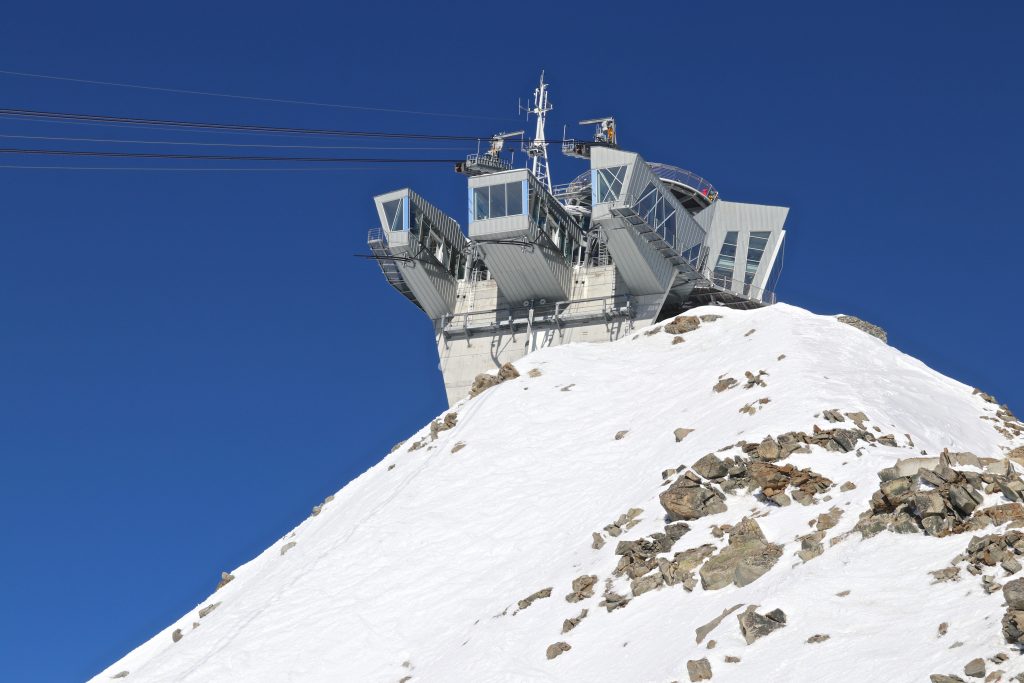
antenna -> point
(538, 147)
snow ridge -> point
(466, 553)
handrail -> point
(488, 160)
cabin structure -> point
(625, 244)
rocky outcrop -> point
(747, 557)
(225, 579)
(776, 479)
(573, 622)
(485, 381)
(582, 588)
(941, 500)
(533, 597)
(864, 326)
(682, 324)
(688, 498)
(209, 608)
(707, 628)
(754, 625)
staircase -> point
(389, 263)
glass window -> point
(726, 261)
(758, 241)
(480, 204)
(608, 184)
(393, 213)
(514, 194)
(498, 201)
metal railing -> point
(376, 235)
(513, 319)
(691, 180)
(488, 161)
(728, 284)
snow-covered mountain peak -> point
(591, 516)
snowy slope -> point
(415, 568)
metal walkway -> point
(389, 263)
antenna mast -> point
(538, 148)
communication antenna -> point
(538, 147)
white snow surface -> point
(414, 569)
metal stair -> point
(389, 263)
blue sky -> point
(190, 360)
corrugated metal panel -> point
(433, 287)
(524, 275)
(642, 268)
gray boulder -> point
(699, 669)
(688, 500)
(1013, 591)
(555, 649)
(747, 557)
(711, 467)
(754, 625)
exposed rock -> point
(570, 624)
(687, 500)
(1013, 592)
(534, 372)
(598, 541)
(946, 574)
(647, 583)
(485, 381)
(975, 668)
(755, 380)
(555, 649)
(446, 423)
(730, 659)
(287, 546)
(864, 326)
(682, 324)
(775, 479)
(818, 638)
(749, 332)
(833, 416)
(458, 447)
(723, 384)
(530, 599)
(710, 318)
(209, 608)
(703, 631)
(939, 678)
(699, 669)
(613, 601)
(176, 636)
(828, 520)
(754, 625)
(677, 340)
(621, 434)
(225, 579)
(681, 433)
(710, 467)
(679, 569)
(747, 557)
(121, 674)
(582, 588)
(1013, 626)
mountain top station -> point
(623, 245)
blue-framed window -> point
(607, 183)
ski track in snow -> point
(423, 564)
